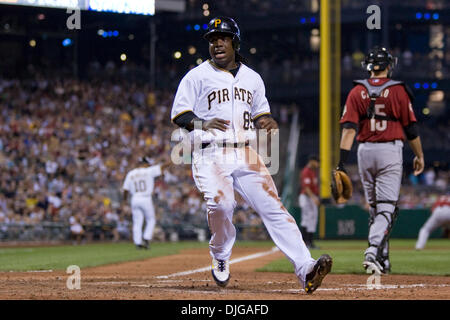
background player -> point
(223, 95)
(139, 183)
(440, 216)
(309, 200)
(382, 117)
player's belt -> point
(393, 142)
(227, 144)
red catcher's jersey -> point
(308, 178)
(394, 102)
(441, 201)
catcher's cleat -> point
(386, 267)
(372, 265)
(321, 268)
(220, 270)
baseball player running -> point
(309, 200)
(440, 216)
(139, 184)
(380, 108)
(226, 98)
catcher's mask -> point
(227, 26)
(378, 59)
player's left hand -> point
(266, 123)
(418, 165)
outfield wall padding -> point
(352, 222)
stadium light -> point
(197, 27)
(66, 42)
(436, 16)
(434, 85)
(32, 43)
(192, 50)
(426, 111)
(302, 20)
(417, 85)
(123, 57)
(419, 15)
(426, 16)
(177, 55)
(425, 85)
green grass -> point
(90, 255)
(348, 256)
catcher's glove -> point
(341, 186)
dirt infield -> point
(156, 279)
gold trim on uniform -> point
(180, 114)
(261, 114)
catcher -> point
(380, 108)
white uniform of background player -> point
(236, 97)
(440, 217)
(139, 183)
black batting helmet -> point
(224, 25)
(378, 59)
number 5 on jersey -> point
(378, 125)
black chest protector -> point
(375, 92)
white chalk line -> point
(208, 268)
(162, 284)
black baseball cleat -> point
(141, 246)
(321, 268)
(146, 245)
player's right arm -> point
(183, 108)
(125, 195)
(349, 121)
(126, 188)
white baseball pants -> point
(217, 178)
(310, 213)
(142, 210)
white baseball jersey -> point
(139, 182)
(211, 92)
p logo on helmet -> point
(217, 22)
